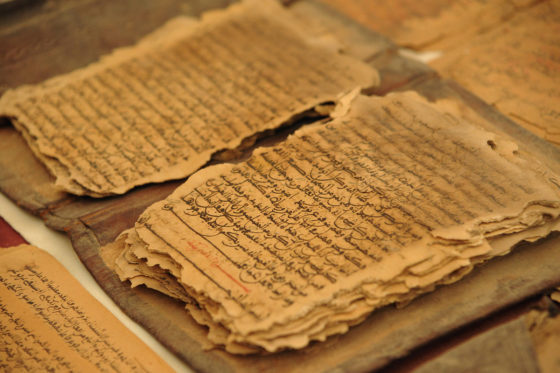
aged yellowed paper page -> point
(516, 68)
(49, 322)
(159, 110)
(430, 24)
(306, 238)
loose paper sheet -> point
(159, 110)
(515, 67)
(49, 322)
(430, 24)
(306, 238)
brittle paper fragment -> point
(159, 110)
(305, 239)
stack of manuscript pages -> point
(159, 110)
(390, 198)
(386, 200)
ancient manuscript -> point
(306, 238)
(50, 323)
(516, 68)
(161, 109)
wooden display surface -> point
(386, 335)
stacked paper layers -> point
(305, 239)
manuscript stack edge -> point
(402, 205)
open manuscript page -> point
(516, 68)
(306, 238)
(50, 323)
(159, 110)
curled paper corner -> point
(344, 102)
